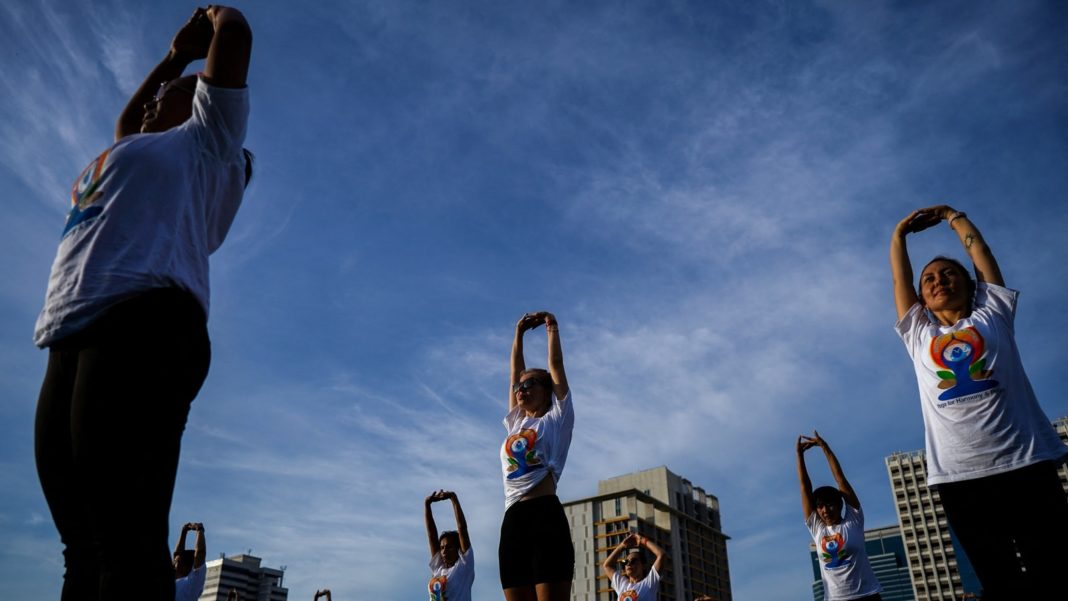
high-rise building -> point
(886, 553)
(665, 508)
(939, 569)
(244, 574)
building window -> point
(619, 507)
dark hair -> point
(185, 557)
(451, 534)
(963, 271)
(639, 552)
(827, 495)
(541, 376)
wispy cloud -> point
(703, 194)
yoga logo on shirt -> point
(962, 357)
(631, 595)
(833, 553)
(436, 587)
(85, 192)
(522, 458)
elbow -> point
(236, 31)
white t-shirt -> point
(147, 213)
(452, 584)
(980, 413)
(843, 560)
(643, 590)
(535, 446)
(189, 587)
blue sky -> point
(703, 192)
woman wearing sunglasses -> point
(639, 581)
(839, 537)
(125, 314)
(536, 556)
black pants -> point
(995, 517)
(108, 432)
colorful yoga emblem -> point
(961, 355)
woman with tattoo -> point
(990, 447)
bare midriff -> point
(546, 487)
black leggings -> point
(995, 517)
(108, 433)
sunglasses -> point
(528, 384)
(163, 89)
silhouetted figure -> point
(125, 314)
(189, 570)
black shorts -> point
(535, 544)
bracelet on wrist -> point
(955, 216)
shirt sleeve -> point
(618, 582)
(813, 522)
(854, 515)
(563, 411)
(512, 417)
(190, 587)
(998, 301)
(219, 120)
(911, 325)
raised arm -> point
(217, 33)
(610, 562)
(556, 355)
(808, 505)
(180, 545)
(231, 47)
(200, 551)
(986, 266)
(848, 494)
(658, 553)
(431, 527)
(518, 364)
(461, 521)
(189, 44)
(323, 593)
(900, 266)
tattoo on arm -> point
(969, 239)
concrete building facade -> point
(939, 571)
(681, 518)
(244, 574)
